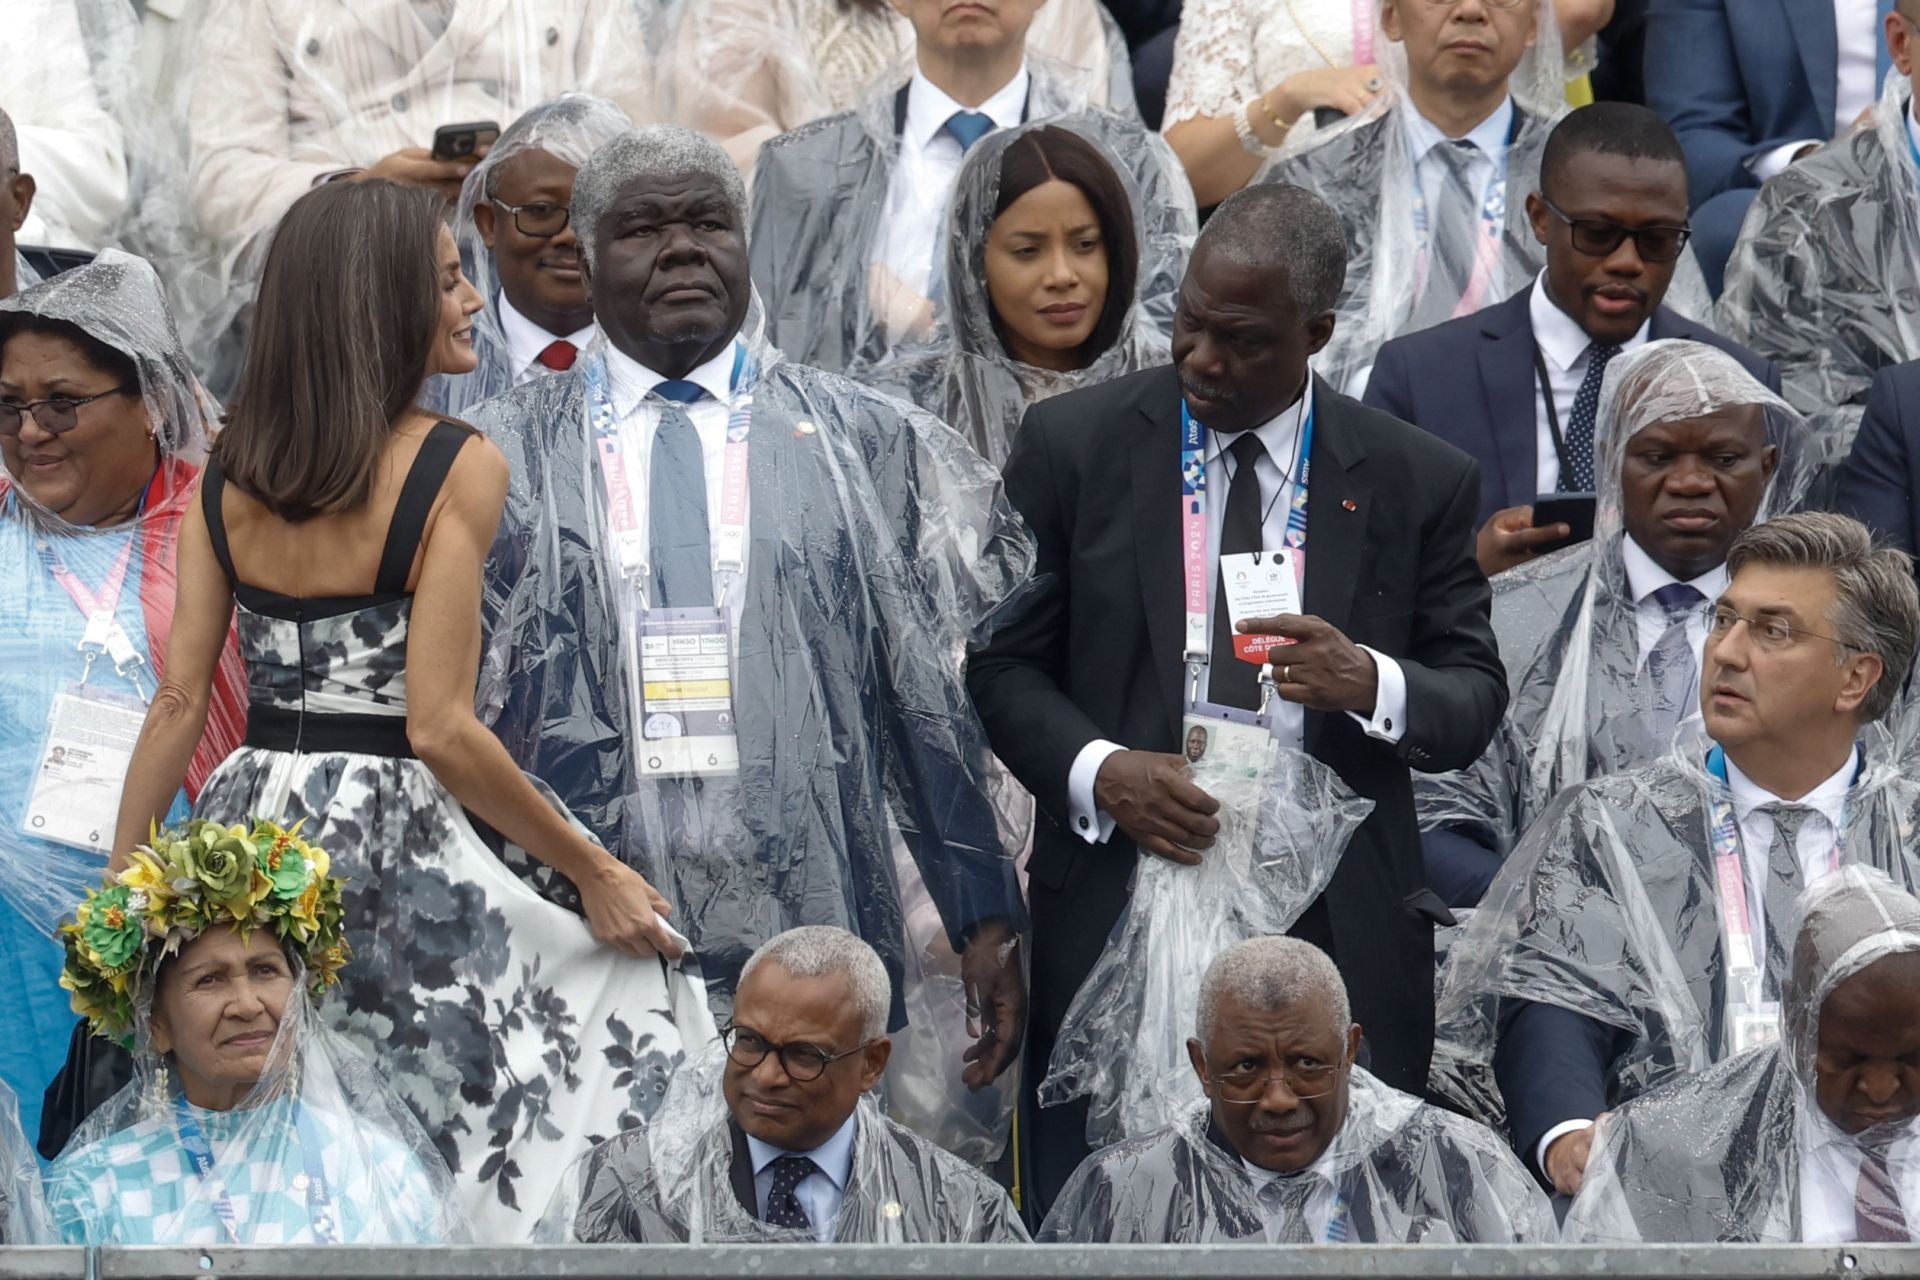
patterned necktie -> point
(1284, 1200)
(1877, 1215)
(1453, 236)
(559, 355)
(1231, 682)
(682, 549)
(1586, 407)
(1784, 881)
(1671, 668)
(968, 127)
(783, 1206)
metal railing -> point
(1001, 1262)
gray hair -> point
(568, 127)
(1274, 222)
(819, 951)
(1268, 975)
(654, 151)
(9, 145)
(1876, 607)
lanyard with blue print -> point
(326, 1229)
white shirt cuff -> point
(1083, 814)
(1768, 163)
(1558, 1131)
(1388, 722)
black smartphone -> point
(1575, 510)
(464, 141)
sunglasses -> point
(1599, 239)
(56, 415)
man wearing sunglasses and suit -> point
(1517, 385)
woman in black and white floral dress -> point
(351, 530)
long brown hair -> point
(342, 332)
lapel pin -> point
(803, 429)
(1349, 504)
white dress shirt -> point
(1815, 847)
(526, 340)
(1275, 468)
(1320, 1202)
(1857, 29)
(924, 172)
(821, 1191)
(1830, 1177)
(1566, 348)
(1644, 577)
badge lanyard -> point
(1363, 20)
(1493, 225)
(103, 634)
(1193, 531)
(623, 508)
(200, 1154)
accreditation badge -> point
(1225, 737)
(75, 798)
(686, 695)
(1259, 584)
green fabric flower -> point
(286, 866)
(224, 867)
(114, 931)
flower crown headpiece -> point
(182, 883)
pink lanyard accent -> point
(107, 603)
(1363, 32)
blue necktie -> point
(783, 1206)
(1670, 663)
(968, 127)
(1580, 423)
(682, 576)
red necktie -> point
(559, 355)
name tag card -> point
(75, 799)
(686, 695)
(1260, 584)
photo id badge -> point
(1225, 737)
(1259, 584)
(75, 798)
(686, 694)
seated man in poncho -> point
(1297, 1144)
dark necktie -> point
(968, 127)
(1231, 682)
(1586, 406)
(783, 1206)
(1671, 669)
(682, 550)
(1453, 236)
(1285, 1201)
(1781, 890)
(1877, 1215)
(558, 355)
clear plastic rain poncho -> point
(820, 197)
(276, 95)
(1725, 1156)
(963, 372)
(749, 70)
(1826, 277)
(1123, 1042)
(319, 1151)
(876, 544)
(1399, 1172)
(568, 128)
(1583, 702)
(62, 64)
(1365, 169)
(23, 1204)
(687, 1179)
(85, 613)
(1610, 908)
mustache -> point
(1201, 389)
(1289, 1122)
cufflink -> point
(1387, 724)
(1085, 822)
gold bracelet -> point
(1274, 116)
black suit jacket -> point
(1098, 655)
(1471, 381)
(1883, 472)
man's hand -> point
(1508, 538)
(996, 1002)
(416, 167)
(1567, 1158)
(900, 307)
(1151, 798)
(1322, 669)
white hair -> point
(1268, 975)
(819, 951)
(661, 152)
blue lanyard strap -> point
(1193, 473)
(200, 1155)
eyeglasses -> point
(56, 415)
(1599, 239)
(539, 219)
(801, 1062)
(1304, 1078)
(1769, 633)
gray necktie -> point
(679, 541)
(1453, 236)
(1284, 1200)
(1671, 668)
(1784, 881)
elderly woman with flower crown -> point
(247, 1122)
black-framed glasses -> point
(539, 218)
(56, 415)
(1599, 239)
(1304, 1078)
(1769, 633)
(802, 1062)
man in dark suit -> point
(1518, 385)
(1753, 85)
(1393, 665)
(1882, 474)
(835, 607)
